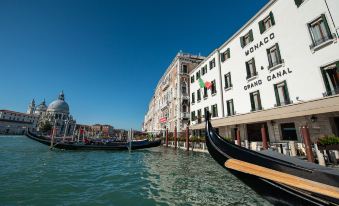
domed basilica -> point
(57, 114)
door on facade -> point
(288, 131)
(254, 132)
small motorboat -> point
(280, 179)
(95, 145)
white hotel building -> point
(280, 71)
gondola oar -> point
(283, 178)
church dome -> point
(59, 105)
(41, 107)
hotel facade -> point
(280, 71)
(169, 106)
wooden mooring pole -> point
(238, 137)
(166, 137)
(264, 137)
(187, 139)
(175, 137)
(307, 140)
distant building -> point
(169, 106)
(104, 130)
(12, 122)
(57, 114)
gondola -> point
(280, 179)
(95, 146)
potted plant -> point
(330, 142)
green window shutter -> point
(255, 69)
(251, 35)
(222, 57)
(327, 85)
(242, 42)
(230, 83)
(259, 99)
(261, 27)
(278, 50)
(248, 70)
(328, 30)
(287, 98)
(252, 101)
(228, 108)
(337, 65)
(310, 31)
(269, 57)
(298, 2)
(228, 53)
(276, 94)
(272, 18)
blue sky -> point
(107, 56)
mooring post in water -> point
(52, 137)
(166, 137)
(238, 137)
(175, 137)
(307, 140)
(264, 137)
(187, 140)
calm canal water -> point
(31, 174)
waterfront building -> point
(279, 71)
(57, 114)
(12, 122)
(102, 129)
(169, 106)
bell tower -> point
(31, 107)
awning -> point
(318, 106)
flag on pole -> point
(201, 83)
(208, 85)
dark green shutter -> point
(287, 97)
(228, 108)
(252, 101)
(298, 2)
(326, 25)
(261, 27)
(222, 57)
(229, 53)
(269, 57)
(255, 69)
(248, 70)
(251, 35)
(327, 85)
(230, 83)
(242, 42)
(272, 18)
(337, 65)
(278, 50)
(276, 94)
(310, 30)
(259, 99)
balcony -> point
(283, 103)
(252, 76)
(319, 43)
(275, 65)
(257, 109)
(185, 115)
(331, 92)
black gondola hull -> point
(277, 193)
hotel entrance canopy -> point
(318, 106)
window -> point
(228, 81)
(298, 2)
(230, 107)
(281, 94)
(266, 23)
(193, 117)
(288, 131)
(320, 31)
(214, 87)
(198, 95)
(255, 101)
(204, 70)
(250, 69)
(214, 110)
(274, 57)
(246, 39)
(212, 63)
(206, 109)
(197, 75)
(193, 98)
(184, 88)
(205, 92)
(199, 116)
(331, 78)
(192, 79)
(226, 55)
(184, 69)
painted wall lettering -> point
(253, 84)
(279, 74)
(260, 44)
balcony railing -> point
(283, 103)
(322, 40)
(253, 74)
(256, 109)
(276, 63)
(331, 92)
(185, 115)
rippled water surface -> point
(31, 174)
